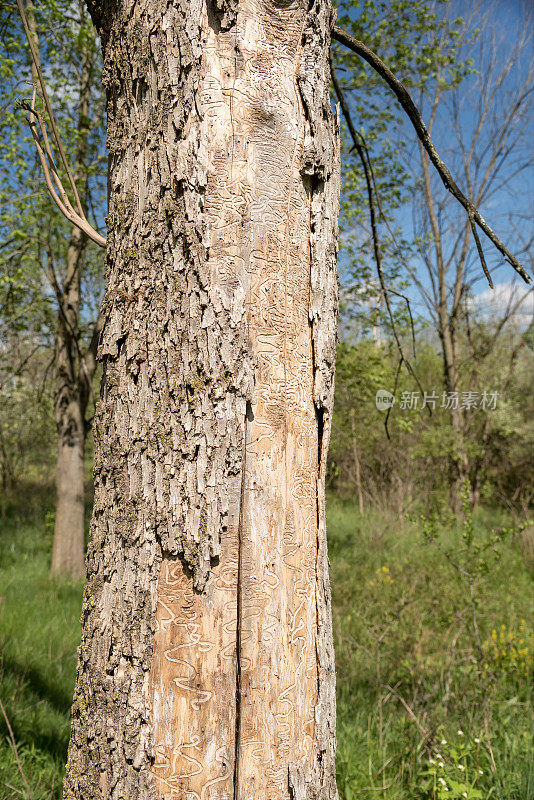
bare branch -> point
(413, 114)
(57, 138)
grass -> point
(409, 672)
(410, 675)
(39, 633)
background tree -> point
(442, 54)
(491, 152)
(60, 312)
(415, 39)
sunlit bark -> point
(206, 668)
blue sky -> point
(516, 199)
(510, 16)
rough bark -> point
(206, 668)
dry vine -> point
(44, 151)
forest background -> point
(430, 499)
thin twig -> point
(480, 251)
(415, 118)
(391, 233)
(379, 788)
(14, 789)
(426, 734)
(16, 752)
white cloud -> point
(500, 301)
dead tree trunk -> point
(458, 462)
(206, 668)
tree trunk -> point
(458, 462)
(448, 332)
(71, 380)
(458, 466)
(69, 403)
(72, 376)
(356, 459)
(206, 668)
(68, 545)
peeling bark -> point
(206, 668)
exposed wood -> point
(206, 667)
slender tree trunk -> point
(6, 464)
(206, 668)
(71, 379)
(447, 330)
(457, 457)
(71, 376)
(458, 462)
(356, 459)
(68, 545)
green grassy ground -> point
(39, 633)
(412, 673)
(415, 686)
